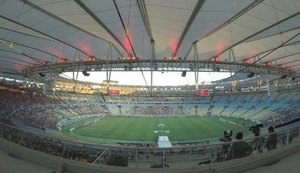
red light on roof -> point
(269, 63)
(251, 54)
(127, 45)
(172, 45)
(61, 60)
(219, 48)
(247, 61)
(280, 65)
(58, 54)
(45, 62)
(85, 46)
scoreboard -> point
(114, 92)
(203, 92)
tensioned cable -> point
(31, 48)
(276, 16)
(66, 38)
(124, 27)
(21, 52)
(239, 71)
(24, 54)
(17, 19)
(232, 19)
(282, 44)
(128, 17)
(127, 36)
(3, 2)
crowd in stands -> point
(40, 111)
(284, 116)
(159, 110)
(256, 106)
(154, 110)
(156, 99)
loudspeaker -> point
(283, 76)
(85, 73)
(217, 69)
(250, 75)
(293, 78)
(183, 74)
(42, 74)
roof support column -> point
(232, 77)
(49, 83)
(109, 67)
(196, 59)
(75, 80)
(152, 66)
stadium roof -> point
(35, 32)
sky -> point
(159, 78)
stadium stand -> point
(42, 111)
(38, 110)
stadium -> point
(149, 86)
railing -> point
(144, 155)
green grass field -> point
(112, 128)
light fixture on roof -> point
(215, 59)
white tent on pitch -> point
(164, 142)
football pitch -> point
(142, 129)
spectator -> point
(272, 139)
(240, 148)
